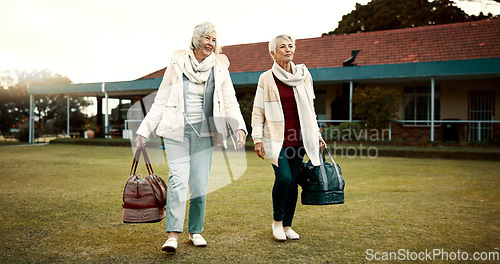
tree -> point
(50, 110)
(393, 14)
(375, 105)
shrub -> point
(375, 105)
(346, 131)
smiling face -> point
(285, 50)
(207, 46)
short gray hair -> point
(274, 41)
(201, 30)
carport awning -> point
(436, 70)
(440, 70)
(114, 89)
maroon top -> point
(292, 124)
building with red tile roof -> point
(443, 60)
(457, 65)
(459, 41)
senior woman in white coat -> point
(284, 128)
(195, 108)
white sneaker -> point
(290, 234)
(198, 240)
(170, 245)
(278, 233)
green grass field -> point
(62, 203)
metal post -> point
(350, 100)
(68, 112)
(390, 130)
(31, 122)
(478, 131)
(432, 108)
(106, 116)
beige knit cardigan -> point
(268, 122)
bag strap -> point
(137, 157)
(323, 170)
(141, 149)
(157, 184)
(330, 155)
(148, 163)
(335, 166)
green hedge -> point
(96, 141)
(461, 153)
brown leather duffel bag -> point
(144, 198)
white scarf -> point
(304, 99)
(293, 80)
(195, 71)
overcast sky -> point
(119, 40)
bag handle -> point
(330, 156)
(146, 161)
(137, 157)
(135, 162)
(140, 149)
(157, 184)
(323, 170)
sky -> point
(120, 40)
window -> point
(417, 105)
(481, 107)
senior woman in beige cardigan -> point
(284, 128)
(195, 108)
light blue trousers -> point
(189, 166)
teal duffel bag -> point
(321, 185)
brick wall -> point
(423, 134)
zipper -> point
(229, 131)
(185, 117)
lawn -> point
(62, 203)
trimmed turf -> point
(62, 203)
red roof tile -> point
(459, 41)
(156, 74)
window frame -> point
(418, 93)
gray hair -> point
(202, 30)
(274, 41)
